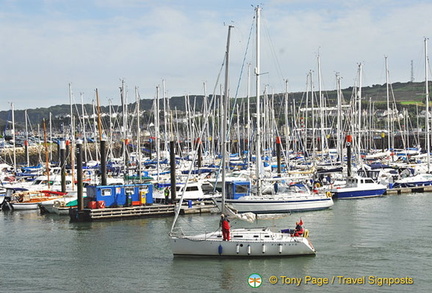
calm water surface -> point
(387, 237)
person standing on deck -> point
(224, 223)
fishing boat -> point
(359, 187)
(244, 242)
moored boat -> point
(294, 198)
(359, 187)
(245, 242)
(21, 199)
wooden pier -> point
(401, 190)
(154, 210)
(88, 215)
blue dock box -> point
(122, 195)
(237, 189)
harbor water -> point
(373, 245)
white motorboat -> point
(359, 187)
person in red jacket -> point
(224, 223)
(299, 229)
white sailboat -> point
(295, 197)
(245, 242)
(283, 201)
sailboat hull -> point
(266, 206)
(243, 243)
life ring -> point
(328, 194)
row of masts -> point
(349, 119)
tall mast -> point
(124, 126)
(427, 107)
(360, 73)
(50, 133)
(83, 127)
(339, 119)
(248, 146)
(13, 138)
(321, 104)
(27, 138)
(225, 120)
(388, 104)
(157, 143)
(110, 135)
(138, 102)
(258, 108)
(165, 114)
(287, 132)
(72, 129)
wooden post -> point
(103, 162)
(348, 145)
(62, 145)
(79, 175)
(173, 173)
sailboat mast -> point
(339, 120)
(321, 104)
(247, 144)
(359, 127)
(258, 108)
(287, 130)
(137, 97)
(27, 138)
(427, 107)
(157, 143)
(225, 120)
(388, 105)
(72, 130)
(14, 138)
(124, 119)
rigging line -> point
(244, 59)
(241, 73)
(240, 77)
(273, 53)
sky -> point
(175, 48)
